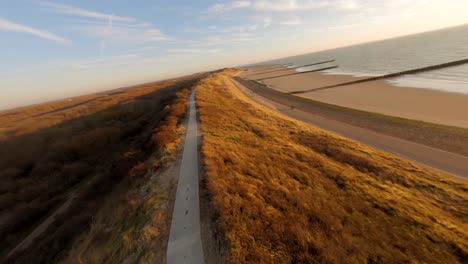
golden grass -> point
(25, 120)
(286, 192)
(165, 136)
(449, 138)
(88, 158)
(133, 225)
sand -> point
(376, 96)
(448, 162)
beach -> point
(376, 96)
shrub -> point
(138, 170)
(164, 136)
(95, 140)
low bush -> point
(138, 170)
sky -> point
(56, 49)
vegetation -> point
(17, 122)
(449, 138)
(82, 161)
(286, 192)
(134, 223)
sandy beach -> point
(376, 96)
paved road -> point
(185, 244)
(454, 164)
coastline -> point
(378, 96)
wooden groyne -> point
(261, 68)
(391, 75)
(296, 73)
(296, 67)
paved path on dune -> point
(185, 244)
(454, 164)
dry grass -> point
(165, 136)
(90, 155)
(286, 192)
(17, 122)
(133, 226)
(449, 138)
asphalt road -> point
(454, 164)
(185, 244)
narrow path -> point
(185, 244)
(454, 164)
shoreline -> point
(392, 81)
(435, 146)
(379, 96)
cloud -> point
(13, 27)
(292, 22)
(108, 27)
(225, 39)
(306, 5)
(149, 48)
(220, 8)
(76, 11)
(113, 61)
(287, 5)
(256, 24)
(137, 33)
(193, 51)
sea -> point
(400, 54)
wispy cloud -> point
(76, 11)
(256, 24)
(292, 22)
(224, 7)
(193, 51)
(139, 33)
(306, 5)
(107, 27)
(286, 5)
(225, 40)
(149, 48)
(113, 61)
(14, 27)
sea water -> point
(400, 54)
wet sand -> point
(375, 96)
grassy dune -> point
(133, 225)
(17, 122)
(107, 161)
(286, 192)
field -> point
(96, 157)
(285, 192)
